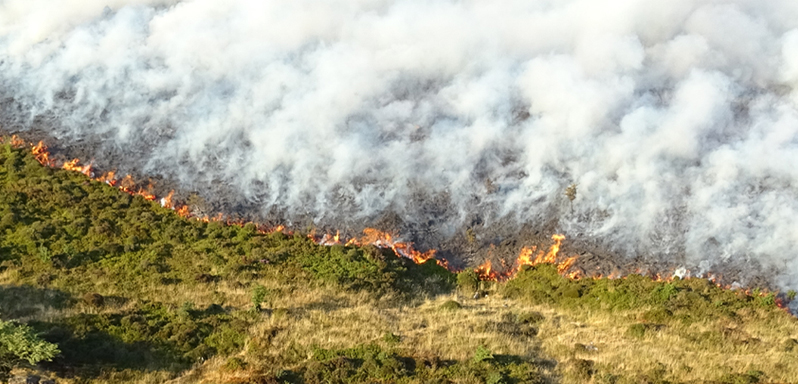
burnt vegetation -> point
(127, 290)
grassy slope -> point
(175, 303)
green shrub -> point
(234, 364)
(636, 330)
(495, 378)
(468, 282)
(451, 305)
(482, 354)
(390, 338)
(226, 340)
(18, 342)
(657, 315)
(259, 295)
(530, 318)
(767, 300)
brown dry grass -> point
(328, 317)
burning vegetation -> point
(131, 287)
(528, 256)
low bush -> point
(687, 301)
(19, 342)
(468, 282)
(530, 318)
(451, 305)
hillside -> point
(130, 291)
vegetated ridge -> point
(97, 285)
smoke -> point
(677, 120)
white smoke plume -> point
(678, 120)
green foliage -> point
(451, 305)
(370, 363)
(19, 342)
(259, 295)
(482, 354)
(58, 221)
(150, 336)
(390, 338)
(688, 300)
(234, 364)
(657, 315)
(468, 281)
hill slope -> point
(132, 292)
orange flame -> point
(527, 256)
(550, 257)
(484, 271)
(108, 178)
(42, 155)
(402, 249)
(166, 201)
(16, 142)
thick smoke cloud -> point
(678, 120)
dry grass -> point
(328, 317)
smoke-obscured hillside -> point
(676, 120)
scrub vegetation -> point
(98, 286)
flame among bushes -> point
(529, 256)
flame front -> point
(531, 256)
(484, 271)
(528, 255)
(403, 249)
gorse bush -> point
(688, 300)
(153, 336)
(370, 363)
(468, 282)
(55, 221)
(18, 342)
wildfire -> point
(484, 271)
(41, 154)
(74, 165)
(327, 239)
(531, 256)
(403, 249)
(528, 255)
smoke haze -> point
(678, 120)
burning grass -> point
(133, 291)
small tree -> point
(570, 192)
(19, 343)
